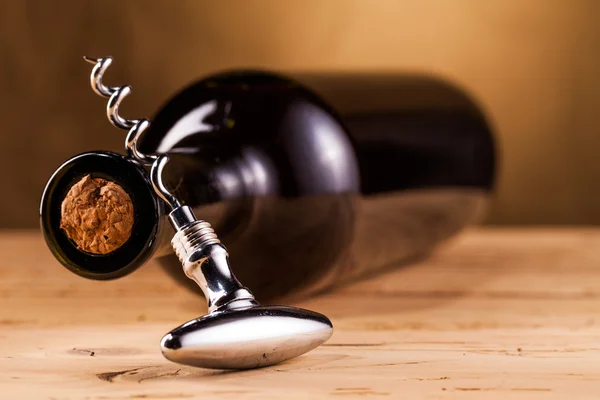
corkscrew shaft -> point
(206, 262)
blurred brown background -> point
(534, 66)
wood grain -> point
(496, 314)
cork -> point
(97, 215)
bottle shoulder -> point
(241, 106)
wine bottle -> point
(310, 182)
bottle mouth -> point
(67, 243)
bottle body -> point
(310, 190)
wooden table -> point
(497, 313)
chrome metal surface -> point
(115, 96)
(156, 177)
(248, 338)
(181, 216)
(237, 332)
(131, 143)
(206, 262)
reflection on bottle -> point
(307, 193)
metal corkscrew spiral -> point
(136, 127)
(237, 332)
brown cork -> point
(97, 215)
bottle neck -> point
(221, 189)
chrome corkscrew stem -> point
(237, 332)
(206, 262)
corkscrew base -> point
(238, 332)
(246, 338)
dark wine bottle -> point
(309, 182)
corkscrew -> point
(237, 332)
(116, 95)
